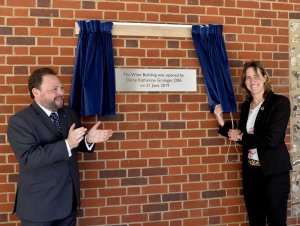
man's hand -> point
(96, 135)
(75, 136)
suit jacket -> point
(269, 134)
(48, 177)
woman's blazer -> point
(269, 134)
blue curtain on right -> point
(212, 56)
(93, 85)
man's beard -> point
(53, 106)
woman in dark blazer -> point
(266, 162)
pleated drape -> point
(212, 56)
(93, 84)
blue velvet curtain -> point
(93, 85)
(212, 56)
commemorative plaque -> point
(155, 80)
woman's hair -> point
(36, 78)
(257, 65)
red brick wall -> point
(165, 165)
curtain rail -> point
(148, 29)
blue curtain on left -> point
(93, 85)
(211, 52)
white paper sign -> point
(165, 80)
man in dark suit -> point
(48, 188)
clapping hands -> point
(94, 135)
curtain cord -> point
(228, 150)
